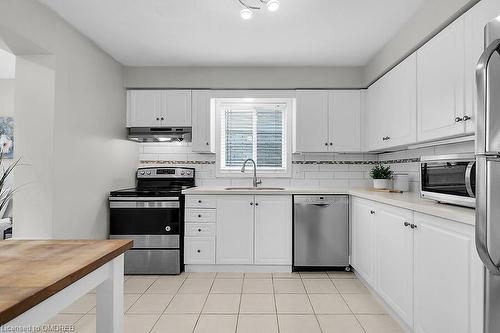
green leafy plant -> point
(381, 172)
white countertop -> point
(407, 200)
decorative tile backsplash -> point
(308, 170)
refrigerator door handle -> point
(482, 102)
(481, 227)
(468, 185)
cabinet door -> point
(202, 140)
(344, 120)
(311, 121)
(374, 127)
(399, 103)
(475, 20)
(362, 239)
(446, 275)
(177, 108)
(441, 85)
(394, 259)
(144, 108)
(235, 227)
(273, 230)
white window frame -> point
(261, 172)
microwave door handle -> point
(483, 108)
(468, 173)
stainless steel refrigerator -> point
(488, 173)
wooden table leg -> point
(109, 316)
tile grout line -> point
(204, 303)
(165, 309)
(345, 301)
(310, 303)
(275, 305)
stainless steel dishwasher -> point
(321, 232)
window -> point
(256, 130)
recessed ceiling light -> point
(273, 5)
(246, 14)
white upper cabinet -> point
(475, 20)
(328, 121)
(158, 108)
(311, 133)
(203, 134)
(441, 84)
(344, 119)
(177, 110)
(390, 109)
(273, 230)
(144, 108)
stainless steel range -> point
(152, 215)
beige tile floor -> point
(325, 302)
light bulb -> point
(246, 14)
(273, 5)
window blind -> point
(255, 132)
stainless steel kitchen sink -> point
(254, 188)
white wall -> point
(77, 146)
(431, 18)
(7, 87)
(243, 77)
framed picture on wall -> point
(7, 136)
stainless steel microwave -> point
(449, 179)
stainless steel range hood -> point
(159, 134)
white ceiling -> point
(211, 32)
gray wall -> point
(432, 17)
(69, 118)
(243, 77)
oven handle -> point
(144, 204)
(143, 198)
(468, 173)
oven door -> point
(145, 217)
(452, 181)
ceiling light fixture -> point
(246, 13)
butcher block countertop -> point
(33, 270)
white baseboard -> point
(238, 268)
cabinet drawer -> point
(200, 229)
(200, 215)
(200, 201)
(199, 250)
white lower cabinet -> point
(235, 228)
(362, 238)
(199, 250)
(394, 259)
(426, 268)
(238, 230)
(273, 230)
(447, 279)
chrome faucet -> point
(255, 181)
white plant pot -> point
(381, 184)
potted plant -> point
(381, 176)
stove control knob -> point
(142, 173)
(148, 173)
(182, 173)
(168, 228)
(188, 172)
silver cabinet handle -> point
(326, 143)
(413, 226)
(199, 215)
(168, 228)
(256, 204)
(162, 118)
(199, 230)
(199, 251)
(406, 223)
(372, 212)
(199, 201)
(465, 118)
(251, 203)
(157, 118)
(483, 110)
(458, 119)
(207, 144)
